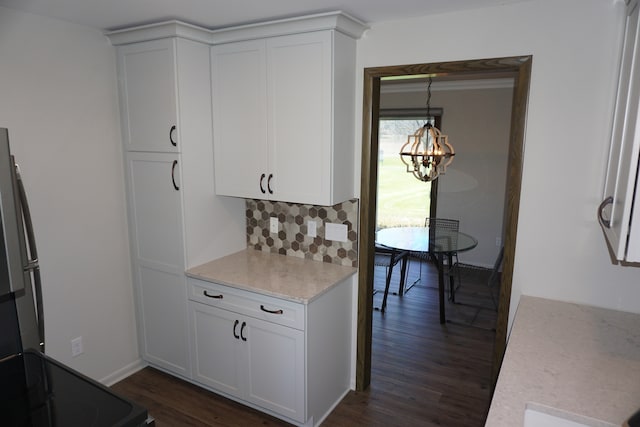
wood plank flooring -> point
(423, 373)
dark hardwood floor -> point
(423, 373)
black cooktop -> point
(38, 391)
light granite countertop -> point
(578, 362)
(281, 276)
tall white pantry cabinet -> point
(175, 220)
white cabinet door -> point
(163, 319)
(616, 210)
(156, 209)
(216, 358)
(240, 119)
(300, 126)
(155, 215)
(148, 94)
(276, 369)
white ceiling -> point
(213, 14)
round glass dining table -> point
(437, 243)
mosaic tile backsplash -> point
(292, 238)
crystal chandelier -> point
(427, 152)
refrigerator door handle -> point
(32, 263)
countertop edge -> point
(274, 275)
(273, 294)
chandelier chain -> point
(429, 99)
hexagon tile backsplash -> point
(292, 238)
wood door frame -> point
(520, 66)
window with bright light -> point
(402, 199)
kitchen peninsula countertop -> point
(280, 276)
(569, 360)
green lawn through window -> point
(403, 200)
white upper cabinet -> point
(240, 118)
(620, 222)
(148, 90)
(283, 116)
(300, 117)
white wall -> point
(59, 102)
(560, 250)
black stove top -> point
(37, 391)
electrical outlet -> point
(273, 224)
(312, 228)
(76, 346)
(335, 232)
(498, 242)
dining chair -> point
(434, 225)
(389, 257)
(493, 282)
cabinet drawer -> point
(252, 304)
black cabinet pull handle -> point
(605, 222)
(263, 308)
(242, 337)
(171, 131)
(173, 175)
(235, 325)
(261, 181)
(207, 294)
(269, 184)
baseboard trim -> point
(123, 372)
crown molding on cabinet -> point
(159, 30)
(337, 21)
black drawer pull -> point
(269, 183)
(173, 175)
(605, 222)
(171, 131)
(242, 337)
(262, 307)
(261, 181)
(235, 325)
(207, 294)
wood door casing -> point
(520, 66)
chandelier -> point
(427, 152)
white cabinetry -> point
(257, 361)
(619, 220)
(175, 220)
(155, 221)
(284, 117)
(147, 77)
(276, 355)
(240, 119)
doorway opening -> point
(517, 67)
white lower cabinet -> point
(257, 349)
(257, 361)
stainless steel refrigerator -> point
(35, 389)
(19, 272)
